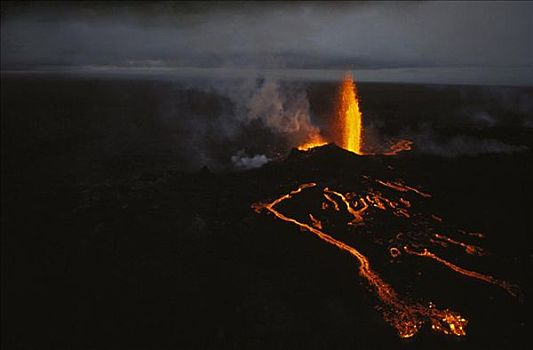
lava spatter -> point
(348, 129)
(349, 117)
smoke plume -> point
(243, 162)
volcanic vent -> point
(348, 127)
(366, 209)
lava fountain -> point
(347, 126)
(349, 117)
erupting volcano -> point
(346, 126)
(388, 211)
(266, 175)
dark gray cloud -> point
(492, 38)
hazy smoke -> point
(243, 162)
(283, 111)
(427, 142)
(282, 108)
(214, 119)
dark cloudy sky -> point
(465, 42)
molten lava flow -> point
(357, 214)
(349, 117)
(400, 146)
(335, 205)
(402, 188)
(510, 288)
(469, 248)
(316, 223)
(406, 318)
(376, 199)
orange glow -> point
(402, 188)
(394, 252)
(316, 223)
(347, 126)
(469, 248)
(349, 117)
(510, 288)
(405, 317)
(335, 204)
(377, 201)
(314, 141)
(400, 146)
(357, 214)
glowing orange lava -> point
(400, 146)
(315, 222)
(357, 214)
(348, 125)
(469, 248)
(314, 141)
(335, 205)
(510, 288)
(402, 188)
(406, 318)
(349, 117)
(394, 252)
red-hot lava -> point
(348, 125)
(402, 188)
(469, 248)
(315, 140)
(510, 288)
(349, 118)
(400, 146)
(396, 198)
(405, 316)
